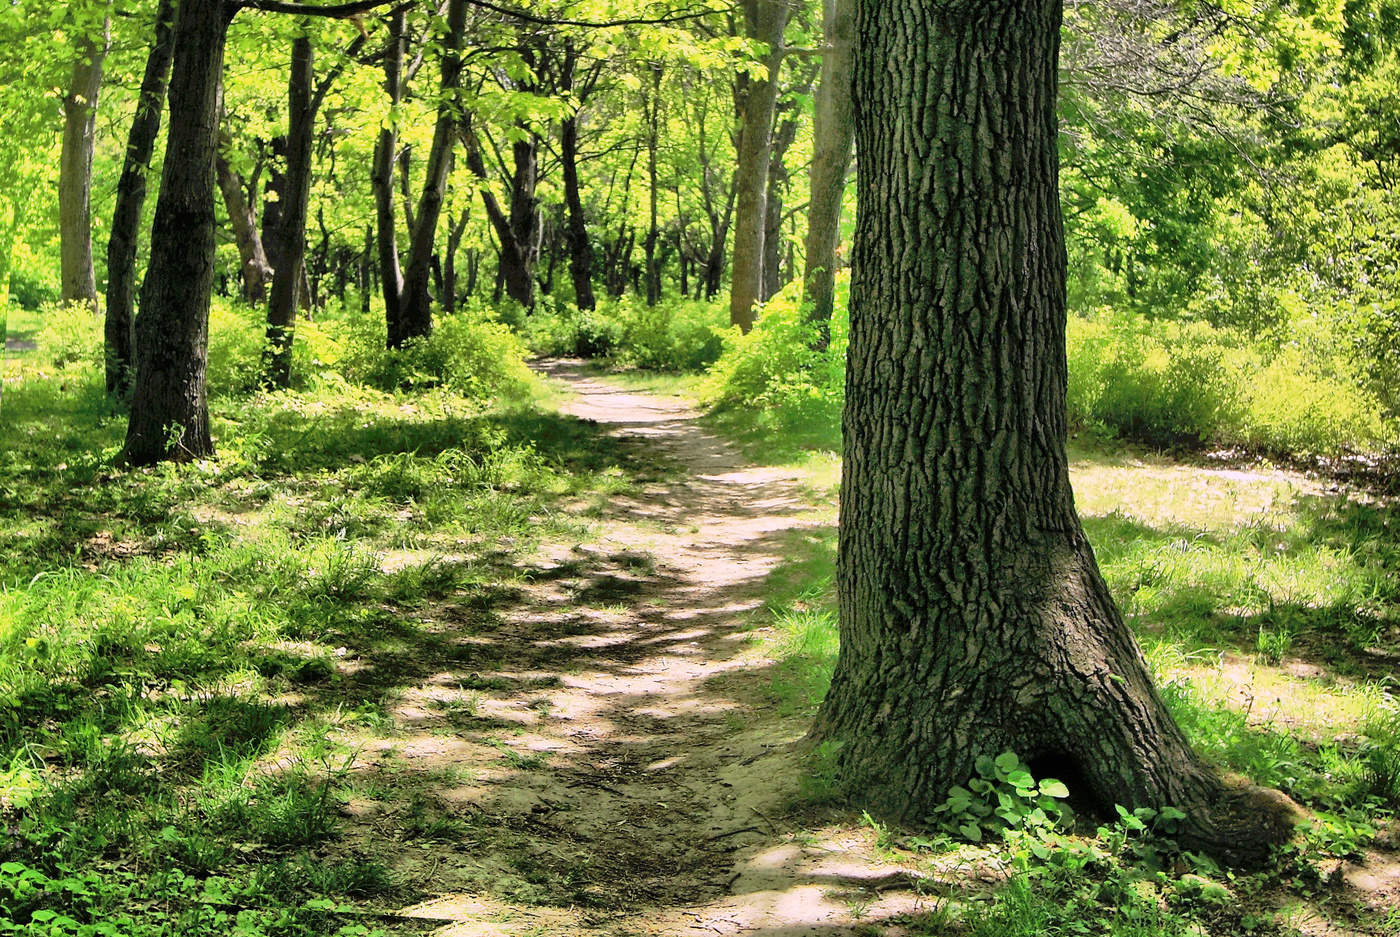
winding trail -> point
(647, 778)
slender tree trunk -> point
(580, 248)
(653, 113)
(417, 311)
(131, 200)
(773, 215)
(169, 409)
(291, 234)
(766, 22)
(382, 181)
(78, 282)
(973, 616)
(255, 265)
(831, 159)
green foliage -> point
(774, 378)
(470, 353)
(1004, 796)
(676, 335)
(1167, 383)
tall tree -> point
(131, 199)
(765, 20)
(169, 409)
(831, 158)
(973, 615)
(78, 282)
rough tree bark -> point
(169, 409)
(131, 199)
(766, 21)
(831, 159)
(291, 236)
(973, 615)
(78, 283)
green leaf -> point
(985, 766)
(972, 831)
(1053, 788)
(1021, 779)
(1008, 762)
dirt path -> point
(621, 770)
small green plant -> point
(1003, 797)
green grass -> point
(188, 653)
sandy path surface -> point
(647, 778)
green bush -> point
(1172, 382)
(677, 335)
(775, 372)
(471, 353)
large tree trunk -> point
(831, 158)
(169, 410)
(766, 22)
(77, 280)
(131, 199)
(291, 235)
(973, 616)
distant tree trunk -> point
(78, 282)
(131, 200)
(382, 181)
(456, 228)
(831, 158)
(974, 619)
(417, 310)
(518, 231)
(255, 265)
(766, 22)
(773, 215)
(169, 409)
(580, 248)
(652, 108)
(291, 235)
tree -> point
(758, 100)
(75, 168)
(131, 199)
(831, 158)
(973, 615)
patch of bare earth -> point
(598, 754)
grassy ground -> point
(185, 652)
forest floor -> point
(613, 758)
(396, 663)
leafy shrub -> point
(774, 370)
(1171, 382)
(674, 335)
(70, 335)
(237, 334)
(471, 353)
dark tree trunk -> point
(831, 158)
(652, 109)
(78, 282)
(580, 248)
(131, 200)
(417, 308)
(291, 234)
(773, 215)
(518, 231)
(382, 181)
(766, 22)
(456, 228)
(973, 616)
(169, 410)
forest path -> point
(647, 776)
